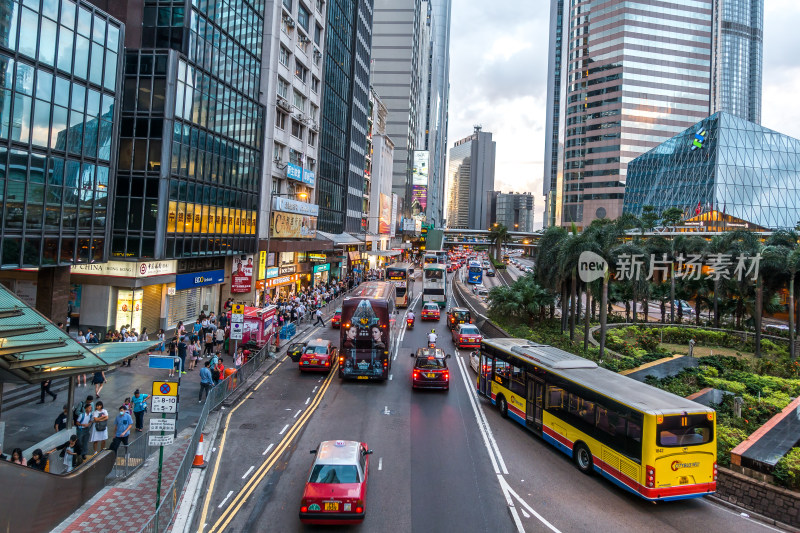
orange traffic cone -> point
(198, 456)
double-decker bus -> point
(648, 441)
(474, 273)
(402, 274)
(430, 258)
(434, 284)
(369, 332)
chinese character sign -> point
(242, 274)
(742, 267)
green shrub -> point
(727, 439)
(787, 471)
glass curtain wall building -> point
(552, 146)
(59, 70)
(191, 132)
(471, 181)
(725, 166)
(345, 107)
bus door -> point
(484, 375)
(534, 402)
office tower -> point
(378, 210)
(736, 62)
(438, 95)
(514, 211)
(396, 77)
(340, 185)
(471, 178)
(552, 145)
(612, 109)
(58, 148)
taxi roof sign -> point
(165, 388)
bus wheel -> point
(583, 458)
(503, 406)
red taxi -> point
(467, 336)
(336, 491)
(318, 355)
(336, 320)
(430, 311)
(430, 369)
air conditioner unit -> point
(284, 104)
(289, 21)
(277, 161)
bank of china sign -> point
(123, 269)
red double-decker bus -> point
(369, 332)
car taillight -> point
(651, 477)
(327, 363)
(715, 471)
(359, 509)
(341, 360)
(447, 375)
(304, 509)
(416, 374)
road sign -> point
(162, 424)
(165, 404)
(237, 330)
(165, 388)
(237, 309)
(160, 440)
(163, 362)
(237, 319)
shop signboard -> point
(393, 222)
(419, 201)
(317, 258)
(272, 272)
(199, 279)
(308, 177)
(385, 218)
(129, 308)
(292, 226)
(322, 268)
(283, 280)
(262, 265)
(242, 274)
(287, 269)
(124, 269)
(286, 205)
(294, 172)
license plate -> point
(331, 506)
(314, 361)
(430, 375)
(684, 480)
(362, 377)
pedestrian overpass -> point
(526, 241)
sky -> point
(498, 79)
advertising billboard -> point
(419, 201)
(420, 174)
(292, 226)
(242, 275)
(385, 221)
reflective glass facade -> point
(191, 132)
(59, 71)
(345, 108)
(739, 168)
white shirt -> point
(431, 337)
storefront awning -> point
(339, 238)
(385, 253)
(33, 349)
(114, 352)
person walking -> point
(99, 380)
(139, 408)
(100, 427)
(61, 419)
(122, 429)
(319, 318)
(37, 460)
(44, 388)
(83, 427)
(182, 354)
(219, 336)
(161, 338)
(70, 452)
(209, 340)
(206, 381)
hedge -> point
(787, 471)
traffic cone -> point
(198, 457)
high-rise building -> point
(380, 154)
(471, 181)
(58, 144)
(736, 63)
(340, 183)
(625, 77)
(438, 95)
(396, 76)
(514, 211)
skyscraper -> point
(514, 210)
(340, 186)
(555, 92)
(471, 180)
(736, 64)
(396, 77)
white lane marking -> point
(525, 514)
(315, 389)
(265, 452)
(380, 463)
(308, 400)
(477, 419)
(224, 500)
(319, 380)
(507, 488)
(248, 471)
(480, 417)
(390, 377)
(284, 429)
(511, 506)
(297, 413)
(386, 410)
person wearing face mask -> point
(123, 424)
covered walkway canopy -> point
(33, 349)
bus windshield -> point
(393, 274)
(434, 274)
(685, 430)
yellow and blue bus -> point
(648, 441)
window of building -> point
(311, 164)
(297, 129)
(300, 71)
(283, 88)
(320, 6)
(317, 34)
(276, 186)
(315, 84)
(314, 112)
(302, 16)
(295, 157)
(277, 150)
(280, 120)
(299, 101)
(284, 56)
(312, 138)
(288, 5)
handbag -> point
(101, 426)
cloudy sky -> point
(498, 78)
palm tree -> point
(568, 255)
(546, 267)
(792, 266)
(498, 235)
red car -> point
(430, 369)
(336, 490)
(467, 336)
(336, 320)
(430, 311)
(318, 355)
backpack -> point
(215, 374)
(77, 410)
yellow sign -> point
(262, 265)
(165, 388)
(237, 309)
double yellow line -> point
(239, 500)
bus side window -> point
(517, 382)
(633, 444)
(501, 370)
(555, 398)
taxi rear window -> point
(424, 362)
(472, 330)
(317, 349)
(334, 474)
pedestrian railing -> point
(130, 458)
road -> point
(443, 461)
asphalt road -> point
(443, 461)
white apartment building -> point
(380, 163)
